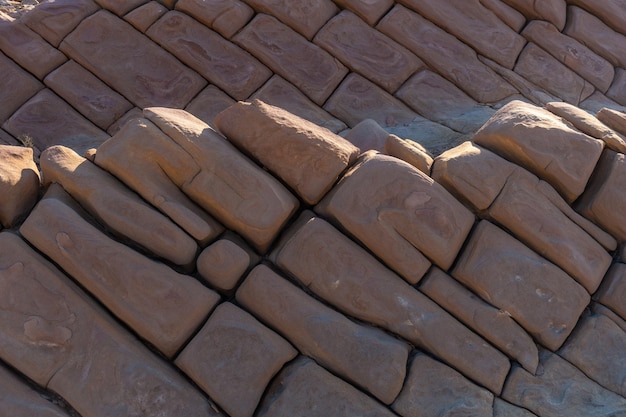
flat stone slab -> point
(19, 183)
(17, 86)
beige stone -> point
(221, 62)
(103, 44)
(144, 16)
(542, 143)
(539, 296)
(233, 358)
(612, 292)
(434, 389)
(370, 11)
(306, 389)
(228, 185)
(506, 13)
(445, 53)
(306, 157)
(19, 183)
(553, 11)
(209, 103)
(120, 7)
(17, 87)
(118, 208)
(494, 325)
(410, 152)
(226, 17)
(367, 51)
(399, 213)
(362, 355)
(223, 264)
(614, 119)
(347, 277)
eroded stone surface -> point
(612, 292)
(144, 16)
(17, 86)
(209, 103)
(619, 83)
(553, 11)
(19, 183)
(367, 135)
(120, 7)
(410, 152)
(226, 17)
(223, 263)
(610, 12)
(506, 13)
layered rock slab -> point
(19, 183)
(612, 292)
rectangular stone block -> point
(400, 214)
(552, 11)
(612, 292)
(221, 62)
(367, 51)
(539, 296)
(120, 7)
(369, 11)
(151, 77)
(363, 355)
(209, 103)
(144, 16)
(223, 263)
(506, 13)
(344, 275)
(17, 87)
(307, 66)
(58, 337)
(233, 358)
(611, 12)
(306, 157)
(226, 17)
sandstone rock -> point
(19, 183)
(120, 7)
(502, 408)
(614, 119)
(399, 213)
(494, 325)
(289, 54)
(281, 93)
(475, 25)
(134, 113)
(598, 347)
(367, 51)
(346, 276)
(616, 91)
(226, 17)
(144, 16)
(368, 135)
(131, 286)
(47, 120)
(410, 152)
(595, 34)
(27, 48)
(223, 263)
(152, 78)
(306, 389)
(539, 296)
(303, 16)
(437, 99)
(576, 56)
(588, 124)
(560, 389)
(216, 59)
(610, 12)
(360, 354)
(233, 358)
(612, 292)
(506, 13)
(553, 11)
(442, 51)
(228, 185)
(17, 87)
(119, 209)
(87, 94)
(369, 11)
(604, 198)
(434, 389)
(306, 157)
(540, 142)
(63, 341)
(209, 103)
(597, 101)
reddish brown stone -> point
(144, 16)
(54, 20)
(612, 292)
(228, 185)
(306, 389)
(120, 7)
(289, 54)
(47, 120)
(223, 264)
(611, 12)
(305, 156)
(367, 51)
(410, 152)
(445, 53)
(552, 11)
(506, 13)
(539, 296)
(233, 358)
(542, 143)
(362, 355)
(216, 59)
(226, 17)
(19, 183)
(103, 44)
(119, 209)
(87, 94)
(434, 389)
(209, 103)
(346, 276)
(369, 11)
(399, 213)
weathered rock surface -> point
(502, 408)
(19, 183)
(17, 86)
(226, 17)
(613, 289)
(553, 11)
(506, 13)
(120, 7)
(367, 135)
(209, 103)
(144, 16)
(610, 12)
(613, 119)
(370, 11)
(410, 152)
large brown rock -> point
(346, 276)
(434, 389)
(17, 87)
(226, 17)
(614, 119)
(306, 389)
(542, 143)
(19, 183)
(233, 358)
(305, 156)
(553, 11)
(59, 338)
(131, 286)
(228, 185)
(103, 44)
(360, 354)
(539, 296)
(612, 292)
(119, 209)
(400, 214)
(292, 56)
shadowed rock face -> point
(252, 258)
